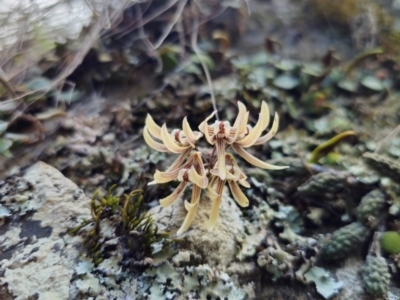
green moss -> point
(390, 242)
(130, 224)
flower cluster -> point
(189, 165)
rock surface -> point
(38, 257)
(39, 260)
(216, 247)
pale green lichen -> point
(194, 282)
(276, 261)
(326, 285)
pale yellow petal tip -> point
(280, 167)
(169, 141)
(213, 220)
(210, 227)
(181, 231)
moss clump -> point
(344, 240)
(376, 276)
(119, 224)
(390, 242)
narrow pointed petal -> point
(211, 189)
(243, 126)
(175, 195)
(241, 114)
(265, 114)
(170, 143)
(188, 132)
(244, 183)
(197, 179)
(238, 195)
(254, 160)
(204, 128)
(192, 209)
(152, 143)
(220, 147)
(230, 176)
(254, 134)
(265, 138)
(179, 160)
(163, 177)
(238, 122)
(154, 129)
(216, 203)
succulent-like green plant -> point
(189, 167)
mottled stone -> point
(217, 247)
(43, 263)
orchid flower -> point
(178, 141)
(240, 136)
(192, 171)
(189, 166)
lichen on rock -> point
(194, 282)
(44, 266)
(217, 247)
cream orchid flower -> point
(221, 134)
(192, 171)
(178, 141)
(240, 136)
(234, 175)
(189, 166)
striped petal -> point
(241, 114)
(243, 126)
(216, 203)
(271, 133)
(211, 190)
(169, 142)
(254, 160)
(204, 128)
(152, 143)
(179, 160)
(176, 194)
(220, 148)
(191, 208)
(197, 179)
(190, 136)
(154, 129)
(163, 177)
(238, 195)
(256, 132)
(238, 122)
